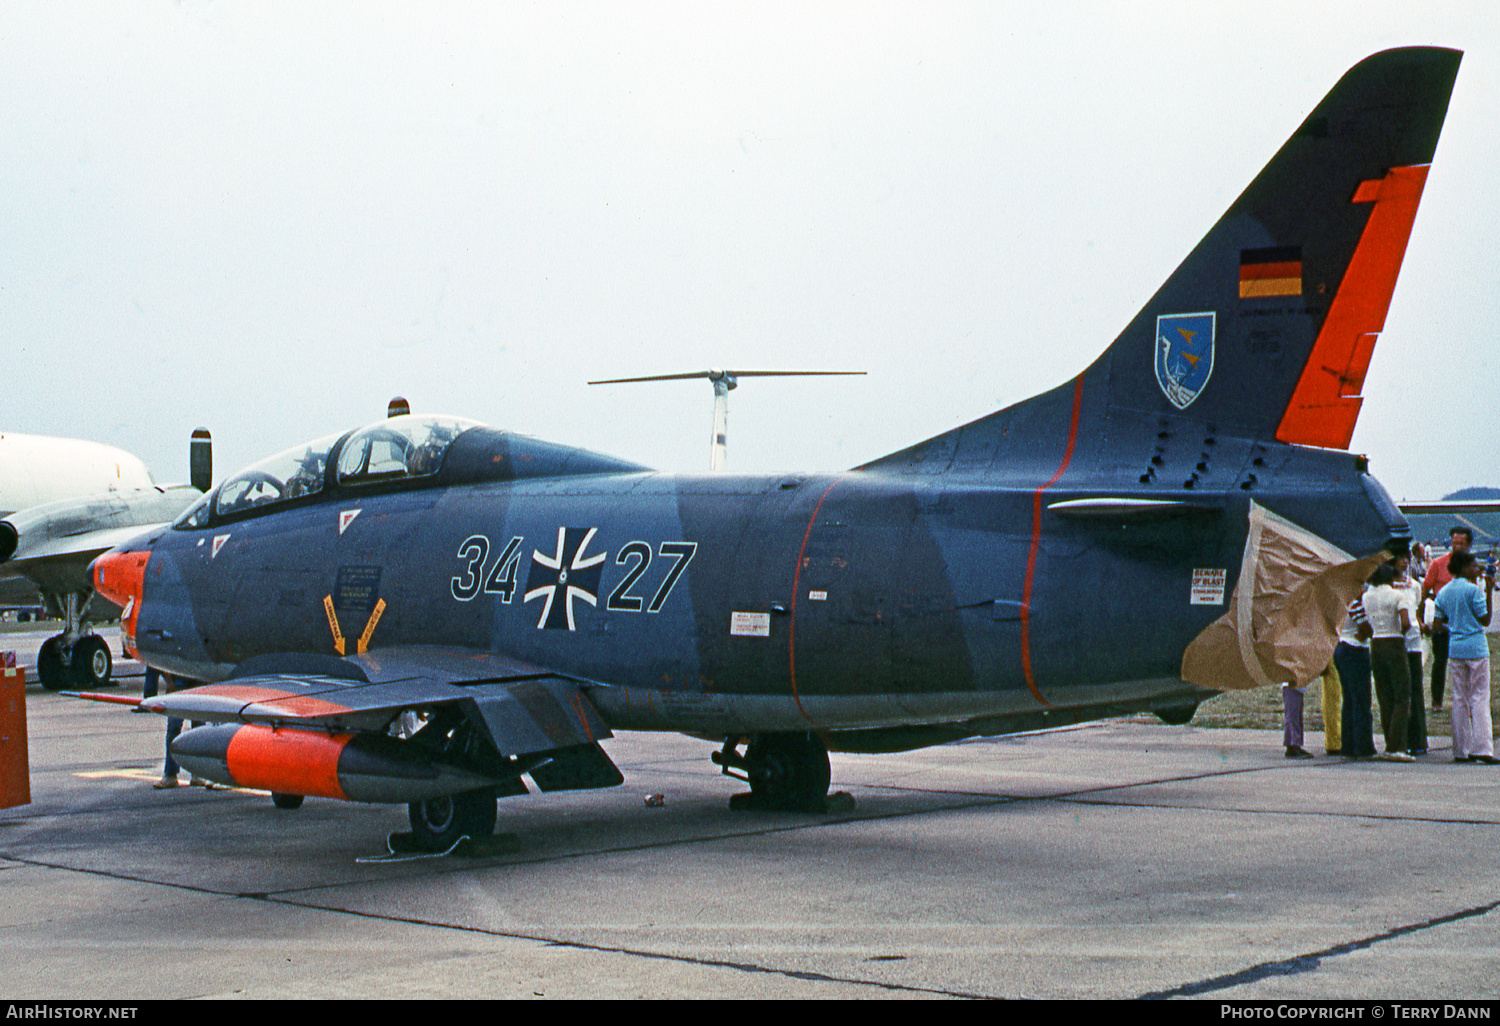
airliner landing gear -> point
(51, 667)
(77, 657)
(91, 662)
(786, 773)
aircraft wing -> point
(59, 565)
(525, 711)
(62, 564)
(52, 545)
(1431, 520)
(1451, 507)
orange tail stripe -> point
(1325, 404)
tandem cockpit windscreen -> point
(396, 449)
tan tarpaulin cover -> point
(1298, 588)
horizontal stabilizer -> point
(1131, 509)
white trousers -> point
(1473, 734)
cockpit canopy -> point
(288, 475)
(396, 452)
(393, 449)
(401, 447)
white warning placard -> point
(750, 625)
(1208, 587)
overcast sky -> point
(268, 218)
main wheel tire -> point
(788, 771)
(436, 825)
(51, 667)
(286, 801)
(92, 663)
(1177, 715)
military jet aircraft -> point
(426, 610)
(65, 501)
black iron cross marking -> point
(562, 577)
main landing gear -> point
(77, 657)
(437, 824)
(1177, 715)
(786, 773)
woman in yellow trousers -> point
(1333, 710)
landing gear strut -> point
(786, 773)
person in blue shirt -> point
(1465, 609)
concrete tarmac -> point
(1113, 860)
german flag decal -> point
(1271, 272)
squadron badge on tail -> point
(1184, 355)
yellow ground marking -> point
(140, 774)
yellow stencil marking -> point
(364, 639)
(333, 624)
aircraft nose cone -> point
(119, 575)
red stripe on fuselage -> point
(1036, 541)
(791, 633)
(291, 702)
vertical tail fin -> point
(1266, 329)
(1269, 323)
(201, 460)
